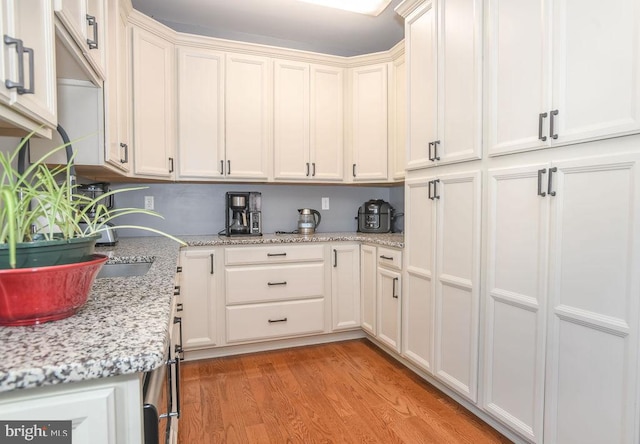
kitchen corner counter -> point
(124, 326)
(122, 329)
(385, 239)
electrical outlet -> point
(148, 202)
(325, 203)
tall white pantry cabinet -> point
(557, 326)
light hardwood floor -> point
(343, 392)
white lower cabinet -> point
(389, 290)
(368, 294)
(561, 314)
(103, 411)
(441, 311)
(199, 291)
(345, 286)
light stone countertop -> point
(123, 328)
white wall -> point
(199, 208)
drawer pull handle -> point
(271, 284)
(273, 321)
(276, 254)
(179, 307)
(176, 291)
(386, 258)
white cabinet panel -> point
(369, 122)
(200, 114)
(199, 295)
(345, 286)
(249, 116)
(368, 285)
(515, 316)
(388, 307)
(153, 104)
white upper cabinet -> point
(153, 104)
(85, 21)
(569, 72)
(308, 121)
(369, 143)
(444, 57)
(200, 114)
(27, 66)
(398, 118)
(249, 116)
(326, 124)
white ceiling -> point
(285, 23)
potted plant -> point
(46, 231)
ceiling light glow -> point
(369, 7)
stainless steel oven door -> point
(161, 391)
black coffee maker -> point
(243, 216)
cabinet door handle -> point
(125, 149)
(273, 284)
(335, 258)
(540, 173)
(429, 190)
(19, 85)
(222, 167)
(430, 156)
(393, 292)
(31, 88)
(307, 169)
(550, 184)
(179, 307)
(387, 258)
(176, 290)
(276, 254)
(313, 169)
(91, 21)
(435, 189)
(228, 167)
(353, 170)
(552, 133)
(435, 150)
(273, 321)
(541, 117)
(211, 263)
(171, 164)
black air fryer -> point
(375, 216)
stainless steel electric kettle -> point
(307, 221)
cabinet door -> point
(117, 152)
(596, 69)
(153, 104)
(517, 70)
(459, 81)
(418, 298)
(389, 293)
(345, 286)
(369, 122)
(198, 292)
(291, 120)
(200, 113)
(516, 289)
(457, 280)
(398, 118)
(95, 25)
(592, 358)
(368, 281)
(248, 111)
(32, 22)
(327, 122)
(421, 49)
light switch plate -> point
(325, 203)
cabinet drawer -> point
(273, 254)
(263, 321)
(390, 258)
(274, 283)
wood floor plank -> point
(346, 392)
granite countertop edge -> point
(124, 326)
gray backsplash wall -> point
(199, 208)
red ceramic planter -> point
(31, 296)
